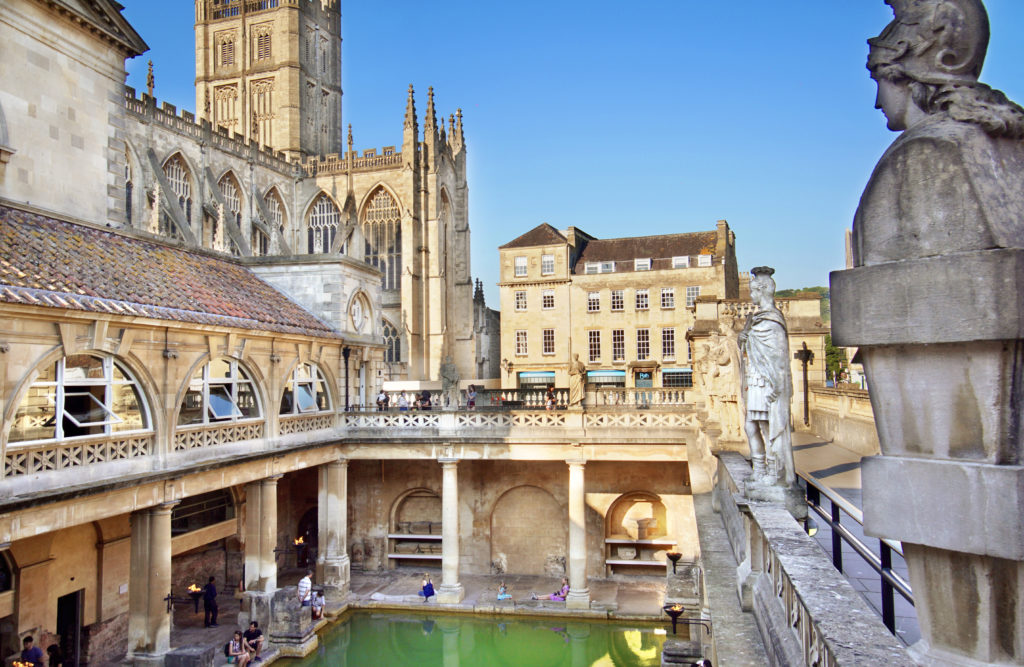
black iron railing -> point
(881, 562)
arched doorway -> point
(529, 531)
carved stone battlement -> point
(184, 123)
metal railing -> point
(881, 563)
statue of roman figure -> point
(577, 378)
(767, 385)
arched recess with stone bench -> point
(414, 529)
(636, 529)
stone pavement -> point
(838, 469)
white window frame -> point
(618, 345)
(668, 343)
(521, 266)
(607, 267)
(520, 300)
(304, 380)
(642, 264)
(592, 267)
(668, 297)
(522, 343)
(692, 294)
(704, 260)
(547, 336)
(618, 296)
(547, 265)
(681, 262)
(642, 300)
(594, 345)
(593, 302)
(547, 296)
(643, 344)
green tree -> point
(835, 358)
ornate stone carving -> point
(577, 378)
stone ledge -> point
(954, 505)
(923, 300)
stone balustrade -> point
(844, 415)
(806, 611)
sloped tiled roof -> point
(661, 249)
(48, 262)
(542, 234)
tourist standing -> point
(31, 653)
(210, 604)
(306, 589)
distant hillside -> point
(826, 303)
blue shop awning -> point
(606, 374)
(537, 374)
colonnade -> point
(149, 624)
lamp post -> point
(805, 356)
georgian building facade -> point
(623, 305)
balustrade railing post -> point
(837, 540)
(888, 604)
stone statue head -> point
(927, 61)
(762, 285)
(932, 41)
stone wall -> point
(513, 514)
(844, 416)
(103, 643)
(198, 566)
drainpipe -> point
(345, 352)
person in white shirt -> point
(305, 589)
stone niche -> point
(414, 533)
(636, 534)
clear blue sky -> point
(625, 119)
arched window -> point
(382, 229)
(392, 343)
(80, 395)
(181, 182)
(323, 224)
(219, 391)
(261, 243)
(305, 391)
(229, 190)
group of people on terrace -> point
(406, 401)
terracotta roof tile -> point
(51, 262)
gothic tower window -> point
(226, 111)
(261, 41)
(392, 343)
(382, 229)
(272, 202)
(323, 224)
(181, 182)
(262, 110)
(225, 49)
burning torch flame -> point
(677, 607)
(299, 540)
(192, 588)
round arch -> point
(415, 505)
(255, 377)
(365, 313)
(529, 532)
(626, 513)
(137, 371)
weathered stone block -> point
(945, 504)
(191, 656)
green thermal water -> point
(369, 639)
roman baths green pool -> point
(385, 639)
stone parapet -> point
(806, 611)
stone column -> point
(149, 623)
(332, 559)
(261, 535)
(451, 590)
(579, 594)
